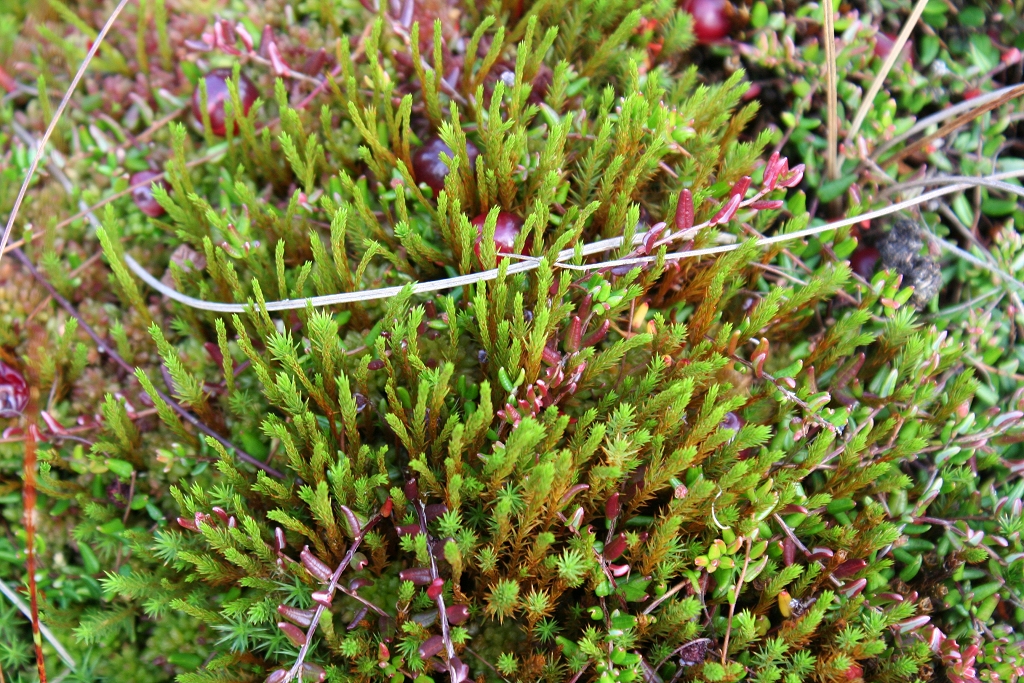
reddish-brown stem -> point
(481, 660)
(131, 495)
(28, 495)
(790, 395)
(446, 636)
(579, 673)
(294, 674)
(114, 356)
(366, 603)
(796, 541)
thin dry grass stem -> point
(668, 594)
(994, 182)
(990, 263)
(981, 263)
(86, 210)
(28, 495)
(16, 600)
(530, 263)
(970, 303)
(53, 123)
(1003, 95)
(959, 121)
(832, 84)
(735, 598)
(890, 61)
(964, 231)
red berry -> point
(506, 230)
(143, 195)
(217, 93)
(710, 19)
(863, 261)
(13, 392)
(427, 164)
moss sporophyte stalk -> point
(502, 341)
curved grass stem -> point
(560, 260)
(54, 121)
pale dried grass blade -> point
(1003, 94)
(53, 123)
(16, 600)
(959, 121)
(890, 61)
(832, 84)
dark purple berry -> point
(427, 164)
(863, 261)
(506, 230)
(217, 93)
(143, 194)
(732, 421)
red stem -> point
(294, 673)
(112, 353)
(29, 498)
(446, 635)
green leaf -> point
(186, 660)
(962, 209)
(996, 207)
(835, 188)
(634, 589)
(984, 54)
(928, 49)
(89, 560)
(973, 17)
(121, 468)
(759, 15)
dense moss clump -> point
(608, 463)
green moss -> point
(741, 465)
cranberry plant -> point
(632, 463)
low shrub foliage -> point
(753, 465)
